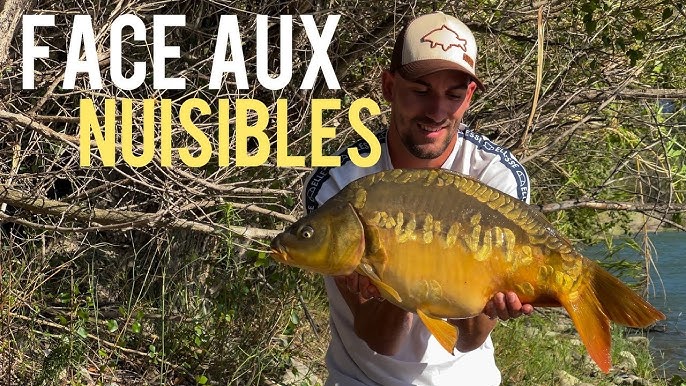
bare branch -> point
(120, 218)
(611, 205)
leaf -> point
(112, 325)
(667, 13)
(201, 379)
(294, 318)
(589, 6)
(639, 34)
(589, 24)
(289, 201)
(262, 260)
(136, 327)
(82, 332)
(82, 314)
(634, 56)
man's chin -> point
(427, 151)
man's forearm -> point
(381, 324)
(472, 332)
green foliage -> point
(630, 272)
(678, 380)
(228, 314)
(530, 351)
(64, 355)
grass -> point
(150, 315)
(531, 351)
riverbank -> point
(545, 349)
(639, 222)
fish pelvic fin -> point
(620, 303)
(444, 332)
(385, 289)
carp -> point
(441, 244)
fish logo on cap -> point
(446, 38)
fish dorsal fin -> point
(444, 332)
(367, 270)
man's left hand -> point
(506, 306)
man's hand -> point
(382, 325)
(474, 331)
(506, 306)
(359, 285)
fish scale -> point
(441, 244)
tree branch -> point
(611, 205)
(658, 93)
(121, 218)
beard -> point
(429, 150)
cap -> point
(435, 42)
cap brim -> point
(419, 68)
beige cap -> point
(435, 42)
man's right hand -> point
(381, 324)
(359, 285)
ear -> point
(387, 81)
(471, 87)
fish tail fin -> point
(620, 303)
(606, 298)
(593, 327)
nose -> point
(436, 108)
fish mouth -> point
(277, 251)
(278, 255)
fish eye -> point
(306, 232)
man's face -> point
(426, 113)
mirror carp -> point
(441, 244)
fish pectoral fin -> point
(375, 250)
(444, 332)
(367, 270)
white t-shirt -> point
(421, 360)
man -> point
(429, 86)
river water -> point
(668, 294)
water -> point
(668, 339)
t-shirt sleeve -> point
(513, 182)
